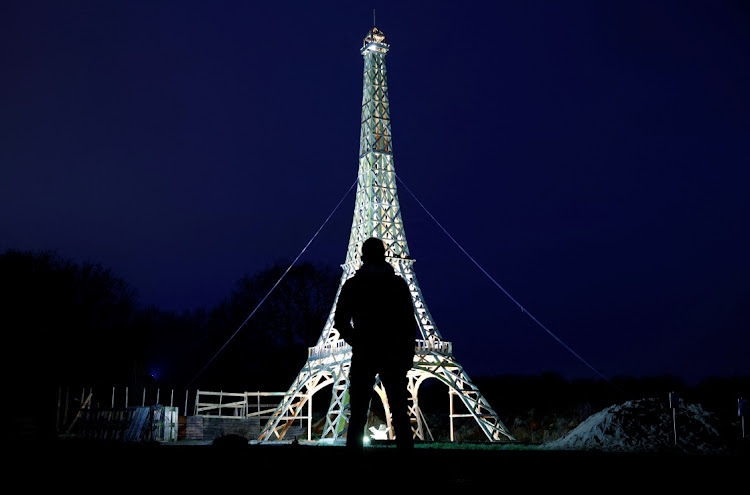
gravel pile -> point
(646, 425)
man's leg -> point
(397, 387)
(360, 392)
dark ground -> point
(104, 467)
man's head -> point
(373, 251)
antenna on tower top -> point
(373, 17)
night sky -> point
(592, 159)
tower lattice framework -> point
(377, 214)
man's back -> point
(378, 304)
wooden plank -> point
(194, 428)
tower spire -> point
(377, 213)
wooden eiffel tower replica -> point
(377, 214)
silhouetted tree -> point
(173, 349)
(266, 336)
(65, 324)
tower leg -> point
(336, 425)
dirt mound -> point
(646, 425)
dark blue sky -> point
(592, 157)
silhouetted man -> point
(375, 315)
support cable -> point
(274, 285)
(567, 347)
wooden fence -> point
(213, 414)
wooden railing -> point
(420, 347)
(238, 405)
(324, 350)
(439, 346)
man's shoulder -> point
(354, 279)
(354, 282)
(400, 280)
(381, 278)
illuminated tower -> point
(377, 214)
